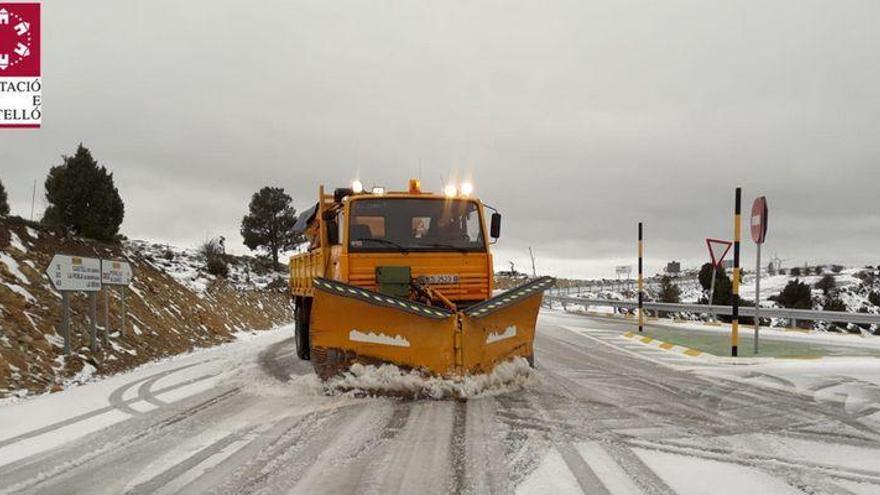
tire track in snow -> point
(116, 402)
(418, 458)
(279, 361)
(107, 443)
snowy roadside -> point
(773, 333)
(853, 382)
(39, 423)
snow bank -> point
(387, 379)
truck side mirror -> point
(495, 226)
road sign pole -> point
(106, 314)
(122, 328)
(734, 328)
(712, 291)
(641, 283)
(758, 229)
(65, 320)
(93, 311)
(757, 297)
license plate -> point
(441, 279)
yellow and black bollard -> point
(734, 328)
(641, 283)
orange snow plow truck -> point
(406, 278)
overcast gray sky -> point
(576, 119)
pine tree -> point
(269, 222)
(796, 294)
(83, 198)
(4, 205)
(723, 285)
(669, 291)
(826, 284)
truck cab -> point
(422, 246)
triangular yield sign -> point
(718, 250)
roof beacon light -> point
(450, 191)
(467, 188)
(357, 186)
(415, 186)
(379, 190)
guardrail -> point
(791, 314)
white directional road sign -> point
(75, 273)
(115, 272)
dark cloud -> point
(577, 119)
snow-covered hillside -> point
(173, 306)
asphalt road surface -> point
(605, 419)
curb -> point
(667, 346)
(691, 352)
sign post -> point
(734, 324)
(93, 316)
(74, 274)
(114, 272)
(641, 283)
(718, 249)
(759, 233)
(65, 320)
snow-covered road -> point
(608, 417)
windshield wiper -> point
(448, 246)
(402, 249)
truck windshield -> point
(408, 224)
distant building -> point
(673, 267)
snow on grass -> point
(21, 291)
(55, 340)
(15, 242)
(388, 379)
(13, 268)
(187, 267)
(82, 376)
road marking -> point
(584, 332)
(613, 477)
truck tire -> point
(301, 328)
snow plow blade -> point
(353, 325)
(501, 328)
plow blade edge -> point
(353, 325)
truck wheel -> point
(301, 328)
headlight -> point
(467, 188)
(357, 186)
(450, 191)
